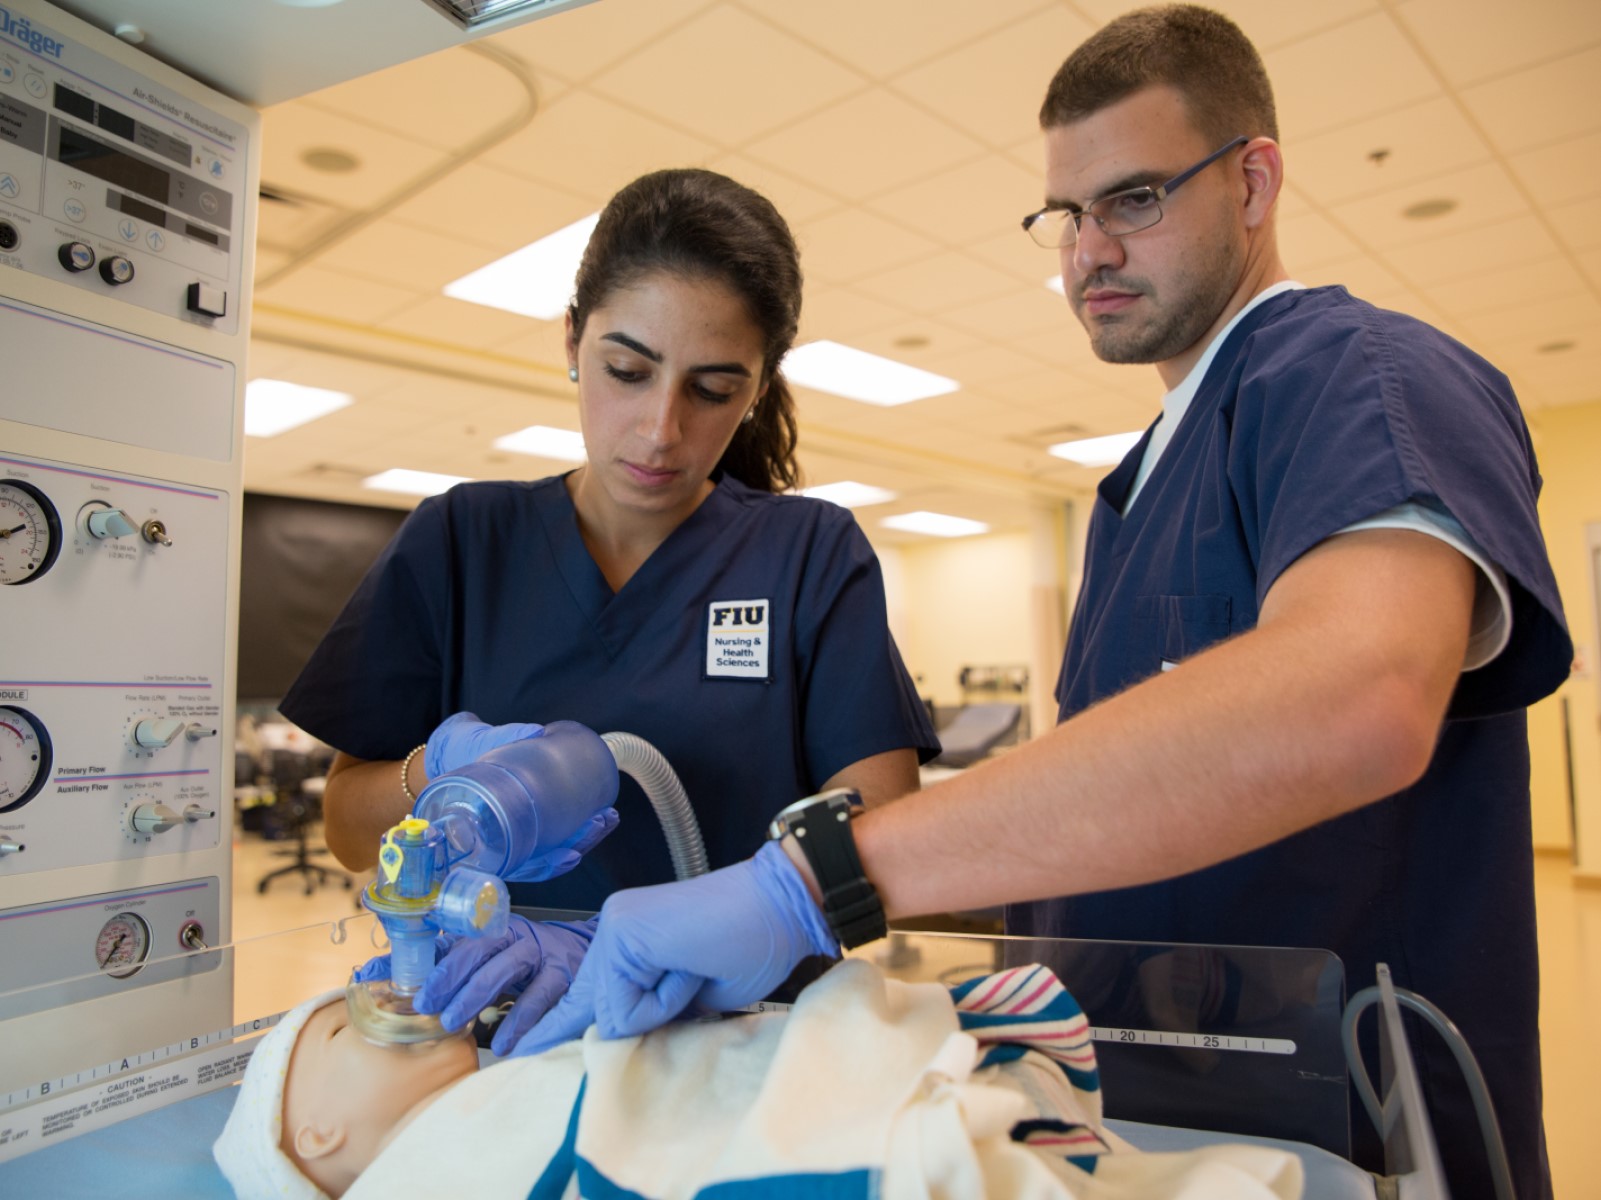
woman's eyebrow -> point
(622, 339)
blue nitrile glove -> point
(719, 941)
(462, 738)
(558, 860)
(534, 960)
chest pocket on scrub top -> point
(1177, 627)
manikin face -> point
(345, 1099)
(666, 370)
(1150, 296)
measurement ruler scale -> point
(1197, 1041)
(56, 1109)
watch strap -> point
(851, 904)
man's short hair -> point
(1200, 53)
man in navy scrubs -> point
(1315, 606)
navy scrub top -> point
(1320, 410)
(488, 601)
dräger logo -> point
(22, 31)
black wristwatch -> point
(822, 828)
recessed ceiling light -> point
(536, 281)
(545, 441)
(847, 493)
(412, 483)
(1097, 451)
(1054, 284)
(935, 524)
(310, 3)
(1423, 210)
(1555, 347)
(911, 341)
(273, 406)
(330, 160)
(858, 375)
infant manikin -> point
(319, 1102)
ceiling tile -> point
(1419, 141)
(1563, 171)
(1311, 239)
(1521, 328)
(941, 339)
(320, 292)
(1485, 196)
(937, 282)
(1461, 255)
(864, 144)
(993, 86)
(1013, 252)
(885, 37)
(979, 199)
(1032, 315)
(840, 314)
(1549, 103)
(590, 38)
(1578, 225)
(386, 161)
(1590, 263)
(1362, 276)
(853, 242)
(795, 201)
(1316, 88)
(456, 323)
(492, 207)
(1521, 284)
(543, 342)
(588, 145)
(1267, 23)
(989, 366)
(407, 255)
(1474, 39)
(731, 98)
(469, 94)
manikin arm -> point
(1333, 701)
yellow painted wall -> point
(1568, 443)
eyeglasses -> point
(1119, 214)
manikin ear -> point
(313, 1141)
(1262, 166)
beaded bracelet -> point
(405, 767)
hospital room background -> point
(1455, 176)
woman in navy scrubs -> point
(608, 595)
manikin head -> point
(319, 1102)
(1145, 98)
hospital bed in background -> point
(1197, 1045)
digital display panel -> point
(92, 157)
(203, 235)
(138, 208)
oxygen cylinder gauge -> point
(30, 532)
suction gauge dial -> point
(25, 756)
(30, 532)
(123, 945)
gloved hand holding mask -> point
(717, 941)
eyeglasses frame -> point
(1159, 193)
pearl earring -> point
(572, 373)
(750, 415)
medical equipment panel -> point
(127, 212)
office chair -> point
(291, 774)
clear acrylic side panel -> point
(89, 1050)
(1233, 1039)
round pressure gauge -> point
(25, 756)
(123, 945)
(30, 532)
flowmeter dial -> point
(158, 818)
(122, 945)
(25, 757)
(99, 520)
(30, 532)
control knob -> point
(158, 818)
(100, 521)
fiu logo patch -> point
(738, 639)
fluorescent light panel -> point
(847, 493)
(858, 375)
(273, 406)
(1097, 451)
(935, 524)
(412, 483)
(1055, 284)
(545, 441)
(536, 281)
